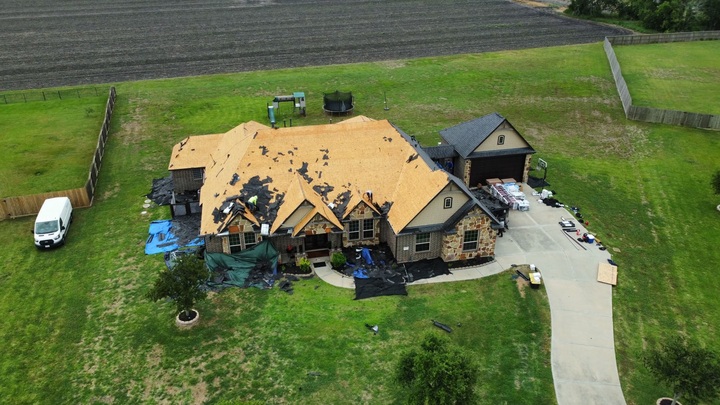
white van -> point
(53, 222)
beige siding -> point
(183, 181)
(435, 212)
(513, 140)
(296, 216)
(406, 248)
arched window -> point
(448, 202)
(501, 139)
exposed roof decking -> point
(193, 151)
(323, 164)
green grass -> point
(48, 145)
(77, 329)
(683, 76)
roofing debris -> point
(162, 191)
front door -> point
(316, 242)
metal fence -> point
(651, 114)
(47, 95)
(12, 207)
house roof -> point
(323, 164)
(466, 137)
(192, 152)
(441, 151)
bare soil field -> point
(46, 43)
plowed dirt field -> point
(46, 43)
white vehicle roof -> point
(51, 209)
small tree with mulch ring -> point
(691, 370)
(182, 284)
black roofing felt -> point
(466, 137)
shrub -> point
(716, 182)
(338, 260)
(304, 264)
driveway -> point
(583, 349)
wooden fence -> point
(664, 38)
(650, 114)
(12, 207)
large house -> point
(315, 189)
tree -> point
(438, 373)
(182, 284)
(691, 370)
(715, 182)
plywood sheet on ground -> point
(607, 273)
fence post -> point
(44, 99)
(59, 96)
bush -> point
(304, 264)
(338, 260)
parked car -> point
(53, 222)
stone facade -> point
(214, 244)
(452, 246)
(360, 213)
(467, 165)
(184, 180)
(528, 160)
(318, 225)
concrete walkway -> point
(583, 350)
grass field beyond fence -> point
(77, 328)
(682, 76)
(48, 145)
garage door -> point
(501, 167)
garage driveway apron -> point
(582, 349)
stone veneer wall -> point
(214, 244)
(467, 165)
(526, 170)
(452, 248)
(362, 211)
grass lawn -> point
(77, 328)
(683, 76)
(48, 145)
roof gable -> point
(466, 137)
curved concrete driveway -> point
(582, 350)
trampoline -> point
(338, 102)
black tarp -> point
(376, 287)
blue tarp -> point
(367, 257)
(161, 238)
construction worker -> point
(252, 202)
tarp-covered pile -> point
(256, 267)
(168, 235)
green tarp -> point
(235, 269)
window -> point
(354, 230)
(470, 240)
(422, 242)
(448, 202)
(368, 229)
(235, 245)
(250, 239)
(501, 139)
(197, 174)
